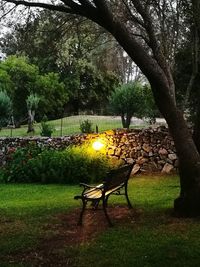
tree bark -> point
(188, 203)
(196, 129)
(30, 121)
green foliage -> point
(86, 126)
(133, 99)
(70, 166)
(76, 50)
(32, 101)
(126, 101)
(23, 77)
(5, 80)
(17, 163)
(53, 95)
(88, 87)
(149, 110)
(46, 128)
(20, 79)
(5, 108)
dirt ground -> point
(51, 250)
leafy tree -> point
(58, 43)
(20, 78)
(133, 99)
(23, 76)
(148, 31)
(88, 88)
(32, 104)
(55, 41)
(5, 80)
(127, 101)
(53, 95)
(5, 108)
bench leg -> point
(127, 198)
(105, 211)
(95, 204)
(80, 221)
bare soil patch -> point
(62, 233)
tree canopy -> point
(19, 78)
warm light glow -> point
(97, 145)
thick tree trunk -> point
(188, 203)
(196, 132)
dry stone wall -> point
(151, 149)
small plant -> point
(86, 126)
(46, 128)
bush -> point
(46, 128)
(69, 166)
(16, 168)
(86, 126)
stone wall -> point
(152, 149)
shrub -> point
(69, 166)
(86, 126)
(16, 168)
(46, 128)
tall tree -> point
(141, 27)
(88, 87)
(19, 78)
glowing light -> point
(97, 145)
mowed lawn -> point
(71, 125)
(36, 224)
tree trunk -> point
(196, 130)
(188, 203)
(123, 121)
(30, 121)
(126, 121)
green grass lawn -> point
(30, 213)
(70, 125)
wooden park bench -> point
(114, 182)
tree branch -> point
(60, 8)
(132, 17)
(9, 11)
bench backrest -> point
(117, 177)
